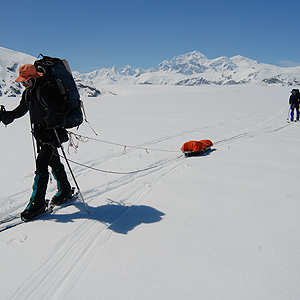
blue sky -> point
(139, 33)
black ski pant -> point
(294, 106)
(47, 156)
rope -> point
(85, 139)
(74, 143)
(75, 139)
(124, 173)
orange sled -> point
(194, 148)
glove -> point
(2, 112)
(5, 116)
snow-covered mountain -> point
(189, 69)
(10, 61)
(9, 64)
(194, 68)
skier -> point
(294, 103)
(43, 121)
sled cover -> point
(197, 146)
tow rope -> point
(75, 139)
(127, 173)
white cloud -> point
(288, 63)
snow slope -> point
(221, 226)
(10, 61)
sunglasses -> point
(26, 82)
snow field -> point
(220, 226)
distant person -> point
(44, 118)
(294, 103)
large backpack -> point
(59, 73)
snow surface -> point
(222, 226)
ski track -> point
(258, 129)
(61, 271)
(55, 278)
(243, 134)
(106, 158)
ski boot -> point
(37, 203)
(32, 210)
(61, 197)
(65, 191)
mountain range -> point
(190, 69)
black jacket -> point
(295, 99)
(44, 113)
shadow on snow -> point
(118, 217)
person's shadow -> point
(118, 217)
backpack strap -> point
(40, 97)
(61, 88)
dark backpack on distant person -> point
(58, 72)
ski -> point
(15, 220)
(9, 218)
(12, 217)
(12, 224)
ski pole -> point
(33, 143)
(288, 113)
(35, 150)
(75, 181)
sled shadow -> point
(199, 153)
(118, 217)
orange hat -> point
(28, 71)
